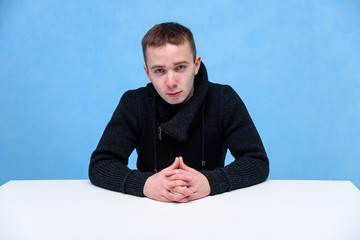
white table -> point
(75, 209)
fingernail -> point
(189, 177)
(190, 192)
(170, 184)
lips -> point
(174, 94)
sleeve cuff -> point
(135, 181)
(218, 181)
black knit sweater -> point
(212, 121)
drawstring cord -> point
(155, 139)
(203, 163)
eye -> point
(159, 71)
(182, 67)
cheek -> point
(190, 80)
(187, 78)
(159, 84)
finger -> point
(183, 190)
(173, 196)
(183, 177)
(174, 165)
(176, 171)
(176, 183)
(164, 199)
(183, 165)
(184, 200)
(195, 196)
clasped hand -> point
(177, 183)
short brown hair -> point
(169, 32)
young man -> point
(181, 126)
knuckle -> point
(178, 190)
(182, 183)
(182, 190)
(174, 197)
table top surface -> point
(275, 209)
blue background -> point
(65, 64)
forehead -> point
(168, 54)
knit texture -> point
(212, 121)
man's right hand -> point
(160, 188)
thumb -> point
(175, 164)
(182, 164)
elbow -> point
(265, 169)
(91, 174)
(93, 170)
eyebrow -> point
(176, 64)
(182, 62)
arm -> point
(251, 165)
(108, 165)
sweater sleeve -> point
(251, 165)
(108, 164)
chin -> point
(174, 101)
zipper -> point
(159, 133)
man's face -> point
(171, 69)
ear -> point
(197, 64)
(146, 71)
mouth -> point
(173, 94)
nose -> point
(170, 81)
